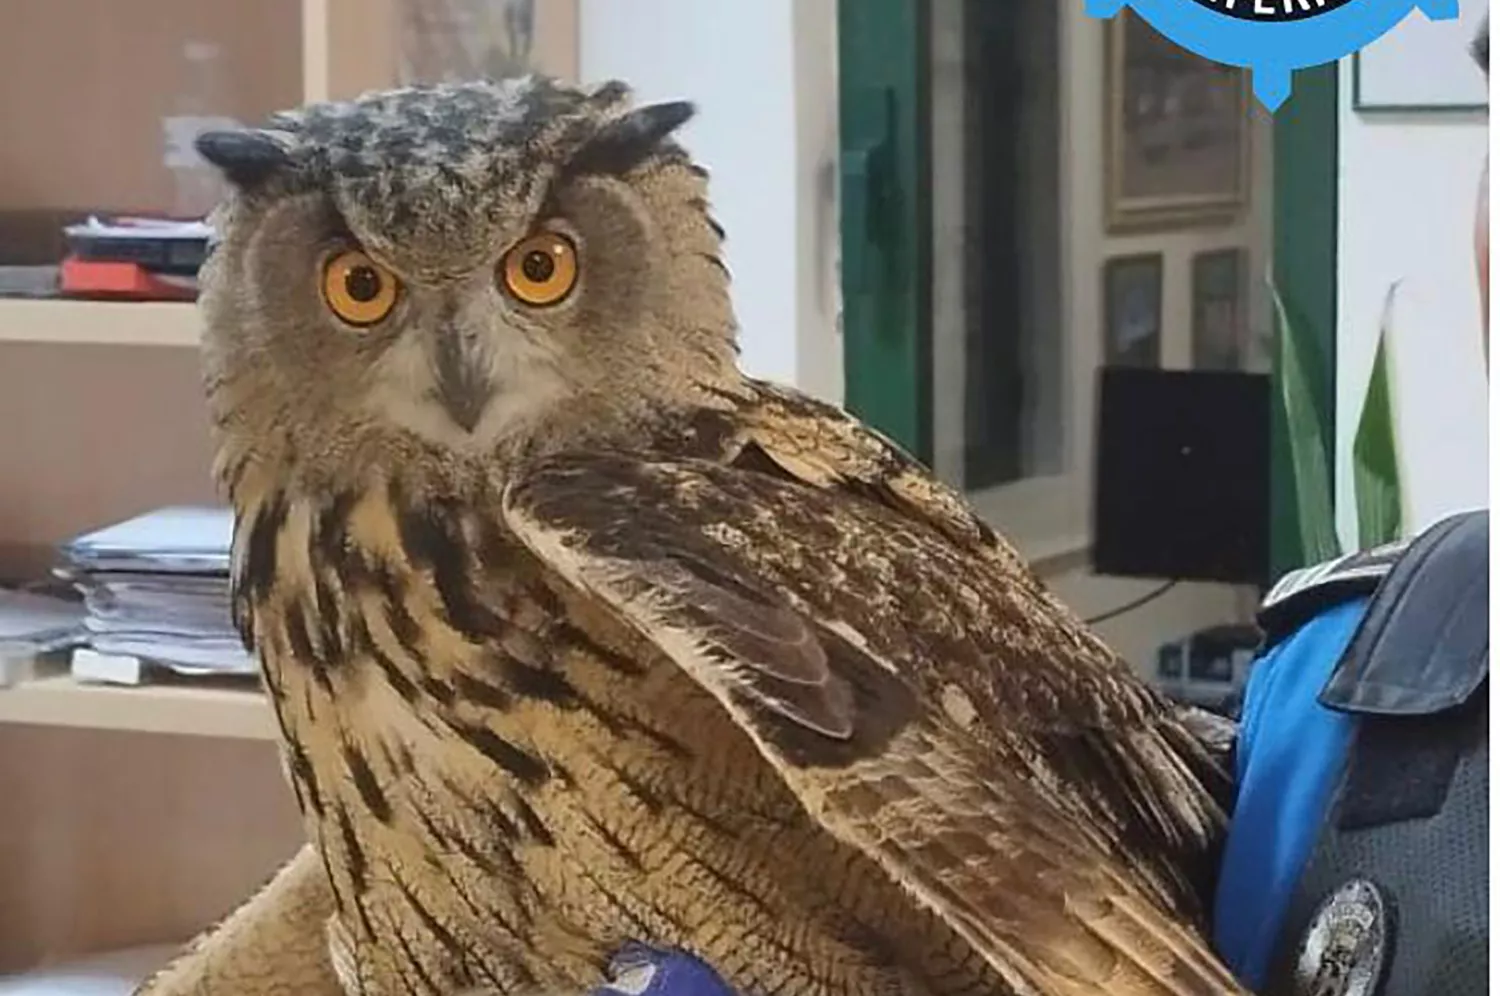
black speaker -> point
(1182, 479)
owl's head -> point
(461, 269)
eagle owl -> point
(577, 636)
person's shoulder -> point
(1371, 619)
(1304, 595)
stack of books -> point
(156, 594)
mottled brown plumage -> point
(578, 636)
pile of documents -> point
(156, 592)
(33, 624)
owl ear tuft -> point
(247, 157)
(622, 143)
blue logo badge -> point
(1273, 37)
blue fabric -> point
(1290, 752)
(639, 970)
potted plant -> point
(1378, 495)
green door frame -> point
(885, 217)
(1304, 265)
(887, 236)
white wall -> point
(1407, 194)
(761, 74)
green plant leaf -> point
(1310, 466)
(1377, 469)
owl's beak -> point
(461, 364)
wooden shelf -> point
(150, 811)
(101, 323)
(131, 838)
(180, 707)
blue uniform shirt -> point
(1288, 758)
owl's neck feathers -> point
(253, 462)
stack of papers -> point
(31, 625)
(140, 228)
(156, 590)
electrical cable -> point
(1131, 606)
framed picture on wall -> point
(1177, 130)
(468, 39)
(1220, 323)
(1133, 311)
(1424, 65)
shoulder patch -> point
(1302, 594)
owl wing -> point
(924, 706)
(824, 446)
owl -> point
(579, 636)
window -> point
(1055, 218)
(997, 330)
(999, 341)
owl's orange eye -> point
(358, 289)
(540, 270)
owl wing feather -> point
(925, 705)
(824, 446)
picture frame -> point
(1221, 333)
(1132, 333)
(1423, 66)
(469, 39)
(1178, 133)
